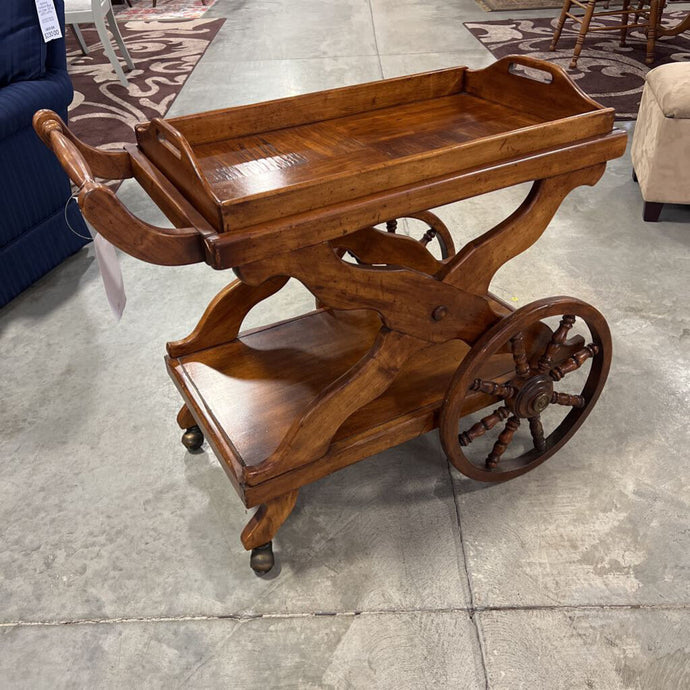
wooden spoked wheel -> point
(437, 231)
(533, 397)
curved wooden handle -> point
(556, 71)
(102, 208)
(559, 77)
(81, 161)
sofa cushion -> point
(22, 49)
(671, 87)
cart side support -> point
(475, 265)
(222, 320)
(310, 436)
(408, 301)
(372, 246)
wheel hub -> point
(533, 397)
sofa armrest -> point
(19, 101)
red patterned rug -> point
(612, 75)
(103, 112)
(164, 9)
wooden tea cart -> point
(401, 341)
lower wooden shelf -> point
(245, 394)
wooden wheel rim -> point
(490, 343)
(441, 233)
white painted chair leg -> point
(80, 39)
(108, 49)
(115, 30)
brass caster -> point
(192, 439)
(261, 560)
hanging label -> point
(111, 274)
(47, 18)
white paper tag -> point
(109, 266)
(47, 18)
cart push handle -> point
(101, 206)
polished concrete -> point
(121, 564)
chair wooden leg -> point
(583, 31)
(99, 21)
(625, 21)
(654, 19)
(115, 31)
(652, 211)
(561, 21)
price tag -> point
(111, 274)
(47, 18)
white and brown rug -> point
(164, 9)
(612, 75)
(103, 112)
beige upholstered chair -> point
(661, 143)
(99, 12)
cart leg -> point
(261, 529)
(223, 317)
(193, 438)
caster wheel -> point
(262, 560)
(193, 439)
(542, 388)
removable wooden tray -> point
(250, 165)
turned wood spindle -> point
(391, 225)
(428, 236)
(568, 400)
(500, 390)
(574, 362)
(517, 346)
(483, 425)
(536, 428)
(558, 339)
(503, 442)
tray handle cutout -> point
(532, 85)
(538, 74)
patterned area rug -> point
(612, 75)
(164, 9)
(103, 111)
(514, 5)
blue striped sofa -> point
(34, 236)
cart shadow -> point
(381, 492)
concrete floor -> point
(121, 563)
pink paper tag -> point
(111, 274)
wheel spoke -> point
(517, 346)
(428, 236)
(500, 390)
(483, 425)
(574, 362)
(568, 400)
(558, 339)
(503, 442)
(537, 430)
